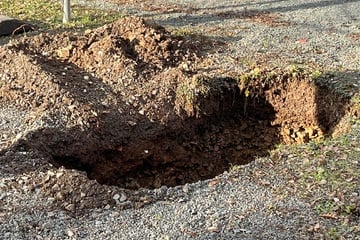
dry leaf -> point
(213, 183)
(303, 40)
(329, 215)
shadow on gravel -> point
(248, 11)
(310, 5)
(264, 17)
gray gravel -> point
(231, 206)
(330, 28)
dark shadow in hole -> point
(331, 105)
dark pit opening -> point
(226, 127)
(201, 150)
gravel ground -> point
(325, 33)
(241, 204)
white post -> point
(66, 17)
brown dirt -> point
(129, 106)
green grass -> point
(189, 94)
(325, 174)
(331, 174)
(47, 14)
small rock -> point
(115, 214)
(186, 188)
(213, 229)
(70, 207)
(55, 187)
(70, 233)
(59, 196)
(185, 67)
(154, 92)
(3, 196)
(123, 198)
(51, 214)
(50, 173)
(24, 178)
(64, 52)
(182, 200)
(116, 196)
(323, 182)
(132, 123)
(139, 205)
(145, 199)
(59, 174)
(47, 179)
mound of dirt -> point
(126, 52)
(125, 105)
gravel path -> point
(323, 32)
(242, 204)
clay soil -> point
(129, 104)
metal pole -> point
(66, 17)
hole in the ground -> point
(125, 106)
(223, 124)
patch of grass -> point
(316, 74)
(189, 93)
(331, 175)
(248, 61)
(234, 168)
(47, 14)
(197, 39)
(332, 233)
(325, 174)
(325, 207)
(182, 32)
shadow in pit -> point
(331, 106)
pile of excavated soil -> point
(127, 105)
(120, 60)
